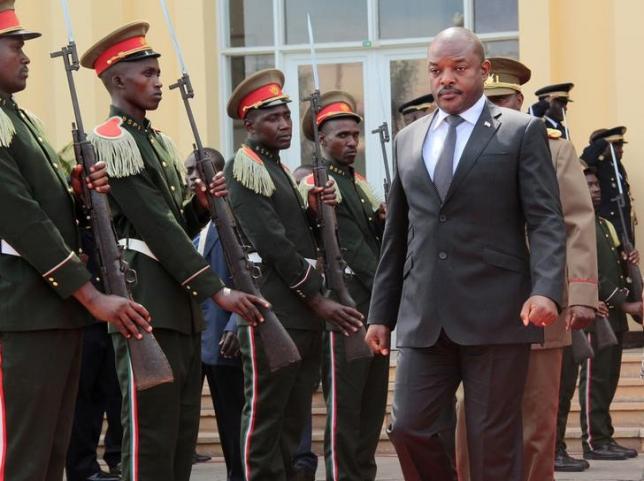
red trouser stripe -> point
(134, 428)
(334, 410)
(253, 403)
(3, 423)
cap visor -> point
(23, 34)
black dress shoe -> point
(200, 458)
(628, 452)
(604, 453)
(567, 464)
(103, 476)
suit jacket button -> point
(442, 218)
(442, 255)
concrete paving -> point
(389, 470)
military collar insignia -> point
(142, 126)
(345, 171)
(260, 149)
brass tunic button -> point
(172, 188)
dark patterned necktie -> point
(444, 170)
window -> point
(417, 18)
(333, 20)
(375, 49)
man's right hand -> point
(124, 314)
(632, 308)
(579, 317)
(378, 338)
(347, 319)
(241, 303)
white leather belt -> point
(255, 258)
(6, 249)
(137, 246)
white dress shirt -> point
(437, 133)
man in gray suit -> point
(456, 276)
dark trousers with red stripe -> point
(356, 398)
(597, 386)
(161, 424)
(39, 381)
(276, 404)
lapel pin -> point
(487, 124)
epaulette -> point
(7, 129)
(249, 171)
(554, 133)
(368, 191)
(117, 148)
(38, 124)
(308, 182)
(614, 237)
(171, 148)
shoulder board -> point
(554, 133)
(171, 147)
(249, 171)
(368, 191)
(117, 148)
(7, 129)
(308, 182)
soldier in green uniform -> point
(597, 154)
(273, 217)
(600, 375)
(356, 391)
(46, 297)
(155, 226)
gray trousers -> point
(493, 377)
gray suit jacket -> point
(463, 265)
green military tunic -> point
(40, 321)
(155, 225)
(272, 216)
(600, 375)
(355, 392)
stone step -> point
(624, 414)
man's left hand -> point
(579, 317)
(633, 257)
(97, 179)
(229, 345)
(539, 310)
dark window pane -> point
(240, 68)
(250, 23)
(502, 48)
(338, 76)
(495, 16)
(332, 20)
(417, 18)
(409, 80)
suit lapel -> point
(485, 128)
(417, 149)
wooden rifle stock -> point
(581, 348)
(149, 364)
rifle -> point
(149, 364)
(334, 264)
(383, 134)
(279, 347)
(634, 273)
(581, 348)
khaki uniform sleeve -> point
(28, 229)
(579, 218)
